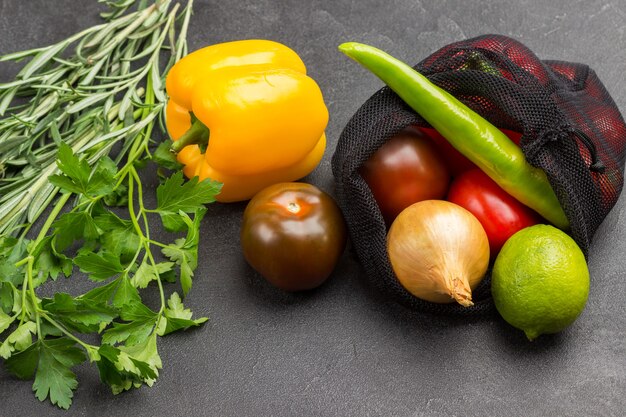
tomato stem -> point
(293, 207)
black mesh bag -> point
(570, 125)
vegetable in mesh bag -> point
(550, 102)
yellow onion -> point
(438, 251)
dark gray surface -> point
(341, 350)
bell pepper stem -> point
(197, 134)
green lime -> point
(540, 280)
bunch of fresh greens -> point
(75, 130)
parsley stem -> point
(157, 243)
(24, 289)
(33, 296)
(69, 334)
(52, 216)
(131, 204)
(145, 238)
(149, 101)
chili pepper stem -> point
(198, 134)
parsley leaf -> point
(131, 333)
(118, 197)
(11, 251)
(165, 158)
(121, 371)
(19, 339)
(102, 180)
(114, 373)
(177, 317)
(83, 315)
(119, 292)
(74, 226)
(126, 293)
(141, 320)
(175, 196)
(145, 358)
(9, 298)
(79, 178)
(136, 311)
(109, 374)
(146, 273)
(5, 321)
(7, 243)
(119, 236)
(76, 172)
(54, 377)
(184, 251)
(99, 266)
(49, 262)
(23, 364)
(186, 258)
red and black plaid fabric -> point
(570, 125)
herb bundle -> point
(75, 130)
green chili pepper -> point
(481, 142)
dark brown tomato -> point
(293, 234)
(406, 169)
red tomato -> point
(455, 160)
(500, 214)
(405, 170)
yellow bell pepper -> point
(264, 115)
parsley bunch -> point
(116, 253)
(92, 221)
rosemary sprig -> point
(85, 91)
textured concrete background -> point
(342, 350)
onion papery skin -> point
(439, 251)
